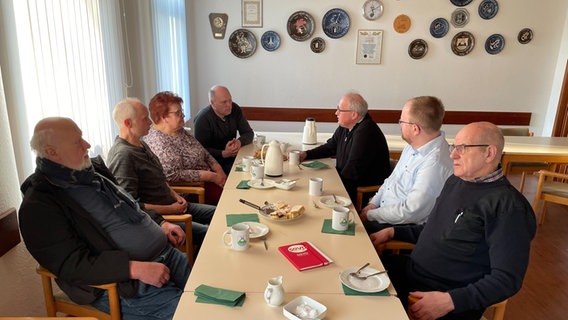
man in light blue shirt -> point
(408, 195)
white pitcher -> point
(274, 293)
(273, 162)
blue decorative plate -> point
(439, 27)
(417, 49)
(488, 9)
(461, 3)
(336, 23)
(301, 26)
(494, 44)
(242, 43)
(270, 41)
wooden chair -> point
(188, 246)
(361, 191)
(522, 132)
(395, 246)
(59, 302)
(551, 187)
(196, 188)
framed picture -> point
(252, 13)
(369, 44)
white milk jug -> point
(274, 293)
(310, 132)
(273, 161)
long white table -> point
(249, 271)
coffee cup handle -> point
(351, 215)
(224, 238)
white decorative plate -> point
(372, 284)
(330, 203)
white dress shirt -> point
(409, 193)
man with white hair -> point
(87, 231)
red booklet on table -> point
(304, 255)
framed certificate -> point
(251, 13)
(369, 43)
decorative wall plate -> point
(461, 3)
(218, 22)
(488, 9)
(270, 40)
(372, 9)
(242, 43)
(460, 17)
(402, 23)
(335, 23)
(417, 49)
(525, 36)
(463, 43)
(317, 45)
(494, 44)
(439, 27)
(301, 26)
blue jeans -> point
(153, 302)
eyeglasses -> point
(341, 110)
(405, 122)
(177, 113)
(460, 148)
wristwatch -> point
(372, 9)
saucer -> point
(256, 183)
(330, 203)
(372, 284)
(257, 229)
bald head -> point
(221, 101)
(60, 140)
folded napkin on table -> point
(350, 292)
(212, 295)
(326, 228)
(239, 169)
(233, 218)
(243, 184)
(315, 165)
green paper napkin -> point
(212, 295)
(233, 218)
(239, 169)
(326, 228)
(243, 184)
(315, 165)
(350, 292)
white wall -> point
(518, 79)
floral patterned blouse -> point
(182, 156)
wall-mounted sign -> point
(218, 23)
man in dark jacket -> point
(86, 230)
(216, 127)
(360, 148)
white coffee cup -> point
(294, 158)
(341, 218)
(316, 186)
(239, 235)
(247, 162)
(257, 170)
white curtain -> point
(170, 48)
(71, 65)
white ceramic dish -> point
(293, 309)
(257, 229)
(266, 184)
(330, 203)
(372, 284)
(285, 184)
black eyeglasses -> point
(177, 113)
(405, 122)
(460, 148)
(341, 110)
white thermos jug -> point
(310, 132)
